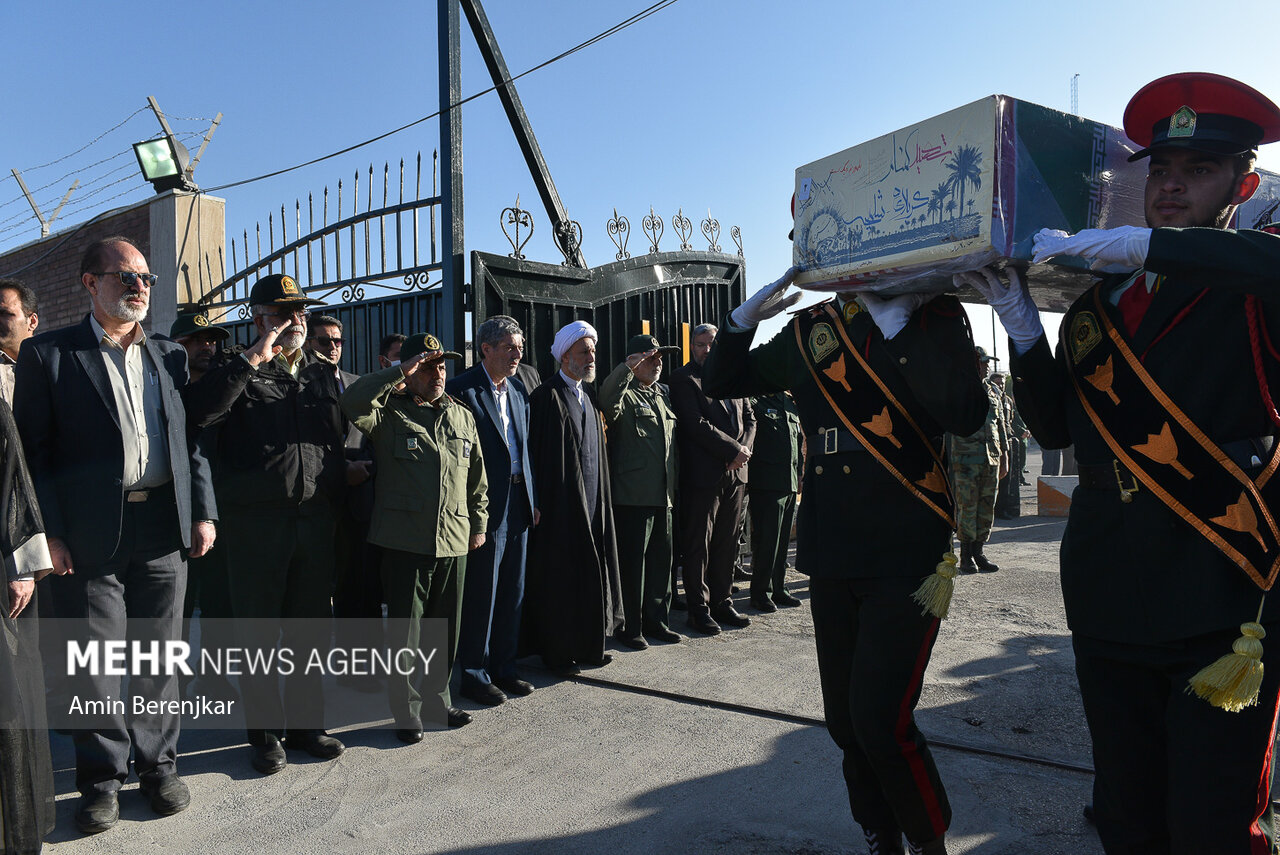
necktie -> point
(1134, 303)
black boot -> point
(884, 842)
(985, 564)
(936, 846)
(966, 559)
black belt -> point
(1103, 476)
(832, 441)
(135, 496)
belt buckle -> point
(135, 496)
(1126, 494)
(830, 440)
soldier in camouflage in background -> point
(978, 461)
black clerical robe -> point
(573, 598)
(26, 774)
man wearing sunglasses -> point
(104, 427)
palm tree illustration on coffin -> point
(966, 168)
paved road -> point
(713, 745)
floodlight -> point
(164, 163)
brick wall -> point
(51, 266)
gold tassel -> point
(934, 594)
(1232, 682)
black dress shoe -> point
(704, 624)
(663, 634)
(635, 642)
(604, 660)
(763, 604)
(679, 603)
(783, 599)
(563, 669)
(514, 686)
(317, 743)
(168, 795)
(731, 616)
(409, 735)
(268, 758)
(458, 718)
(488, 694)
(97, 812)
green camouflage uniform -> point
(975, 471)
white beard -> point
(124, 310)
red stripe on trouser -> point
(1258, 844)
(908, 746)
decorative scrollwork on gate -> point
(518, 218)
(652, 226)
(711, 231)
(568, 241)
(619, 232)
(684, 228)
(736, 234)
(353, 292)
(419, 280)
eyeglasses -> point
(296, 313)
(325, 341)
(128, 278)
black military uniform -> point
(867, 542)
(772, 488)
(278, 435)
(1150, 599)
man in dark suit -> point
(715, 438)
(493, 595)
(102, 419)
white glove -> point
(892, 313)
(1118, 249)
(768, 301)
(1012, 303)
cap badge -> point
(1182, 124)
(200, 320)
(432, 343)
(288, 287)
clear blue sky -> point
(707, 104)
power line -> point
(616, 28)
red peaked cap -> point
(1230, 117)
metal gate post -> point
(451, 323)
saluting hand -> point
(265, 348)
(409, 366)
(634, 360)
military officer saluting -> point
(1164, 380)
(877, 382)
(642, 472)
(430, 509)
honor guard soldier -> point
(1165, 379)
(877, 382)
(430, 509)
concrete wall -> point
(182, 236)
